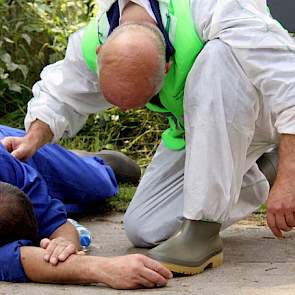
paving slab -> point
(255, 264)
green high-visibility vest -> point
(187, 46)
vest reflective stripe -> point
(187, 46)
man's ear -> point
(98, 48)
(167, 67)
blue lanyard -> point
(114, 15)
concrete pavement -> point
(255, 264)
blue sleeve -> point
(50, 212)
(11, 269)
(9, 131)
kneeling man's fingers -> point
(68, 251)
(271, 221)
(7, 142)
(158, 267)
(281, 223)
(290, 219)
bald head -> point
(132, 65)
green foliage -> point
(32, 34)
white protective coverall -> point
(239, 96)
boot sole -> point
(213, 262)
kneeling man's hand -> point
(281, 208)
(281, 200)
(58, 250)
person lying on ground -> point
(30, 216)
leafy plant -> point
(32, 34)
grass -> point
(120, 202)
(262, 209)
(260, 215)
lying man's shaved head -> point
(132, 65)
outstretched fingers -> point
(135, 271)
(158, 268)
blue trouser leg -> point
(74, 179)
(70, 178)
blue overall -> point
(53, 176)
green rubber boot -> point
(195, 247)
(268, 164)
(126, 170)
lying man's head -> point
(132, 64)
(17, 217)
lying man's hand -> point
(134, 271)
(58, 250)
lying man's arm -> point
(61, 244)
(124, 272)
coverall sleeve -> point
(66, 94)
(264, 49)
(11, 269)
(50, 212)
